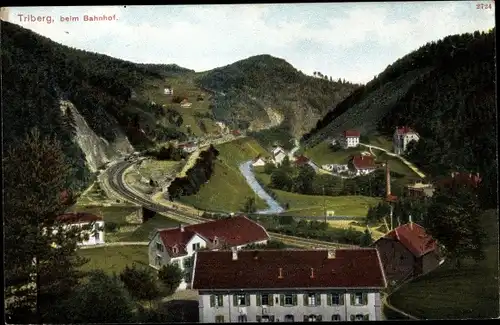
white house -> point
(337, 168)
(178, 245)
(258, 161)
(278, 155)
(403, 136)
(81, 219)
(185, 103)
(350, 139)
(168, 90)
(363, 165)
(289, 285)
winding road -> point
(115, 179)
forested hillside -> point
(246, 90)
(446, 91)
(37, 73)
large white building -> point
(178, 245)
(350, 139)
(278, 155)
(85, 219)
(289, 285)
(403, 136)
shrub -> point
(111, 226)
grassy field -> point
(380, 141)
(322, 154)
(396, 165)
(451, 293)
(227, 189)
(134, 232)
(118, 214)
(344, 224)
(312, 205)
(183, 86)
(114, 259)
(159, 168)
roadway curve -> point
(115, 175)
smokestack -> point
(235, 253)
(387, 179)
(312, 273)
(280, 274)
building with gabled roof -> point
(301, 160)
(85, 220)
(289, 285)
(407, 251)
(350, 139)
(259, 161)
(362, 164)
(185, 103)
(177, 245)
(402, 136)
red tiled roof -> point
(234, 231)
(351, 133)
(404, 130)
(236, 132)
(300, 160)
(363, 162)
(78, 217)
(414, 238)
(260, 269)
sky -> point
(352, 41)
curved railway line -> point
(116, 181)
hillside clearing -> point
(114, 258)
(227, 189)
(322, 154)
(155, 169)
(451, 293)
(354, 223)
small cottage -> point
(185, 103)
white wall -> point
(259, 162)
(93, 239)
(231, 313)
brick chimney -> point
(387, 179)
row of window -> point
(159, 246)
(291, 318)
(310, 299)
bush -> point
(111, 226)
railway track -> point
(116, 182)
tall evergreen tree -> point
(41, 267)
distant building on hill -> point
(185, 103)
(456, 178)
(419, 189)
(258, 161)
(407, 251)
(168, 90)
(278, 155)
(350, 139)
(403, 136)
(363, 165)
(301, 161)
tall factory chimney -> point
(387, 179)
(4, 13)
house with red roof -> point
(178, 245)
(349, 139)
(301, 160)
(291, 285)
(402, 136)
(462, 179)
(407, 251)
(362, 165)
(94, 223)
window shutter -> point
(319, 318)
(212, 300)
(329, 299)
(259, 299)
(271, 300)
(366, 317)
(258, 318)
(221, 301)
(294, 299)
(271, 318)
(247, 300)
(341, 299)
(235, 300)
(318, 299)
(282, 300)
(365, 298)
(306, 318)
(305, 299)
(352, 298)
(352, 317)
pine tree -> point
(40, 267)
